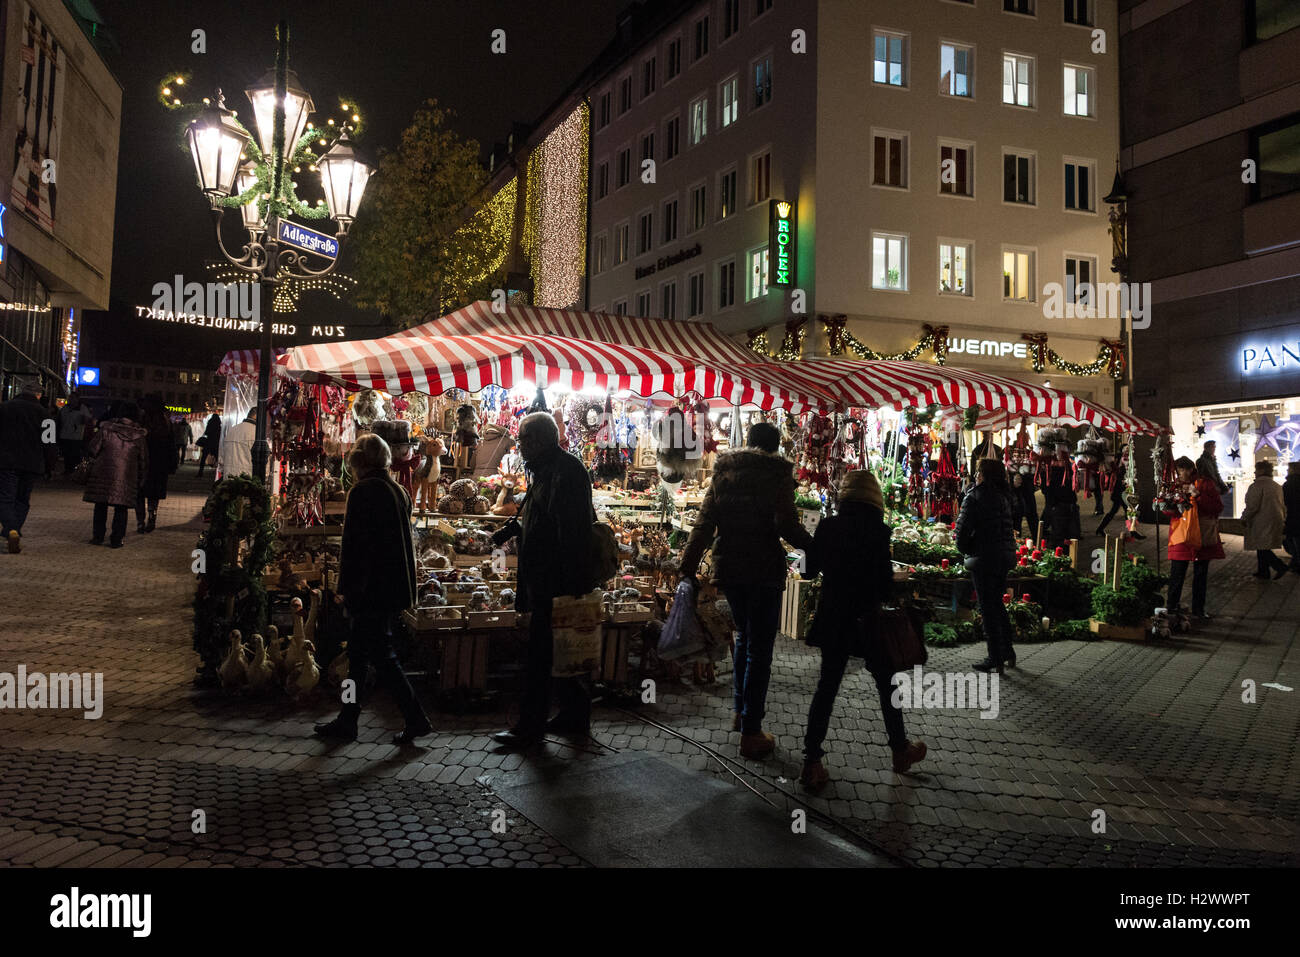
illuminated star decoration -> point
(1235, 454)
(290, 289)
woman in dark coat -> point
(1291, 530)
(162, 463)
(851, 549)
(119, 461)
(987, 539)
(210, 441)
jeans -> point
(1115, 505)
(370, 642)
(757, 612)
(828, 685)
(570, 693)
(1268, 560)
(101, 520)
(1200, 582)
(71, 449)
(15, 499)
(990, 585)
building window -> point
(673, 59)
(762, 81)
(957, 169)
(620, 307)
(645, 233)
(1079, 12)
(670, 221)
(620, 242)
(761, 7)
(955, 64)
(625, 94)
(649, 76)
(954, 268)
(699, 120)
(602, 111)
(672, 137)
(1269, 18)
(758, 259)
(888, 261)
(602, 179)
(1080, 274)
(727, 284)
(1017, 80)
(695, 294)
(1079, 82)
(668, 300)
(889, 159)
(1276, 149)
(599, 255)
(647, 146)
(1079, 181)
(726, 193)
(643, 303)
(701, 47)
(1018, 275)
(624, 173)
(699, 207)
(760, 177)
(1018, 177)
(730, 18)
(1019, 6)
(729, 101)
(891, 58)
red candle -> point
(1036, 555)
(1060, 552)
(1006, 599)
(1043, 543)
(1025, 597)
(944, 564)
(1024, 562)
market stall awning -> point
(247, 361)
(1075, 412)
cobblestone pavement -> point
(1155, 735)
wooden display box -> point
(794, 590)
(492, 619)
(464, 662)
(614, 652)
(1120, 632)
(423, 620)
(625, 611)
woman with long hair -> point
(1202, 488)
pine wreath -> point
(231, 595)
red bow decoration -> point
(1117, 360)
(938, 336)
(834, 326)
(1037, 348)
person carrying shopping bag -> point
(1194, 537)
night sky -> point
(390, 55)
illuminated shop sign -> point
(88, 375)
(781, 233)
(235, 324)
(1273, 357)
(988, 347)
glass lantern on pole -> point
(216, 143)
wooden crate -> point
(464, 661)
(424, 619)
(1120, 632)
(626, 611)
(614, 651)
(794, 590)
(492, 619)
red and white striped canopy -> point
(247, 361)
(1075, 412)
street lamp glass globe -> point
(247, 180)
(344, 179)
(297, 107)
(215, 142)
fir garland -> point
(219, 582)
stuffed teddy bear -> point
(428, 472)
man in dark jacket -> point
(22, 458)
(555, 546)
(376, 583)
(750, 506)
(1291, 530)
(1211, 459)
(986, 537)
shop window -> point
(954, 268)
(1276, 150)
(1079, 180)
(1017, 80)
(1079, 12)
(727, 284)
(956, 62)
(890, 64)
(889, 159)
(1018, 275)
(695, 294)
(889, 261)
(1078, 83)
(758, 262)
(957, 169)
(728, 101)
(670, 221)
(1018, 177)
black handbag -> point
(891, 640)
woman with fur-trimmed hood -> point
(750, 506)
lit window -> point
(729, 101)
(954, 269)
(888, 261)
(699, 120)
(758, 259)
(1017, 80)
(726, 194)
(891, 58)
(1078, 90)
(1017, 275)
(955, 62)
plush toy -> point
(234, 670)
(367, 408)
(677, 448)
(305, 674)
(275, 651)
(428, 472)
(467, 427)
(261, 672)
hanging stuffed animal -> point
(677, 447)
(1089, 456)
(367, 407)
(819, 436)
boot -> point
(153, 520)
(757, 746)
(735, 721)
(814, 776)
(907, 756)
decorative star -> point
(1235, 454)
(1200, 430)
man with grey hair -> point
(554, 532)
(376, 583)
(22, 458)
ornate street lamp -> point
(1117, 200)
(267, 197)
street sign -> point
(308, 239)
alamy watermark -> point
(919, 689)
(1098, 300)
(77, 691)
(219, 305)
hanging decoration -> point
(933, 339)
(815, 455)
(1037, 349)
(290, 286)
(834, 326)
(554, 234)
(945, 486)
(791, 348)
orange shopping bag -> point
(1186, 529)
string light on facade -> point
(555, 226)
(290, 288)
